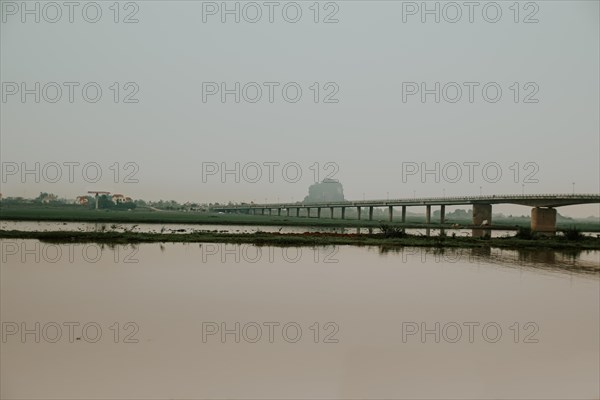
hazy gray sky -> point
(371, 57)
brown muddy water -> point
(159, 321)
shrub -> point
(392, 231)
(524, 233)
(573, 234)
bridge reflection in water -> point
(572, 261)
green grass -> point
(64, 214)
(78, 214)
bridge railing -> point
(415, 200)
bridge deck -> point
(537, 200)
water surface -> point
(367, 299)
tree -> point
(105, 202)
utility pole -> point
(97, 193)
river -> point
(209, 320)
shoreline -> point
(176, 217)
(305, 239)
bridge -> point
(543, 212)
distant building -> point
(325, 191)
(118, 198)
(48, 198)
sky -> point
(178, 100)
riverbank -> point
(306, 239)
(70, 214)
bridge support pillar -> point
(298, 212)
(370, 213)
(270, 211)
(288, 211)
(427, 214)
(263, 211)
(482, 215)
(358, 210)
(543, 221)
(391, 213)
(331, 209)
(403, 214)
(318, 212)
(308, 212)
(442, 214)
(343, 212)
(279, 212)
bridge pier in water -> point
(358, 210)
(482, 213)
(403, 214)
(331, 209)
(428, 219)
(390, 213)
(343, 212)
(371, 213)
(318, 212)
(543, 221)
(442, 219)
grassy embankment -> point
(77, 214)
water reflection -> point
(573, 260)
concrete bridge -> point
(543, 212)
